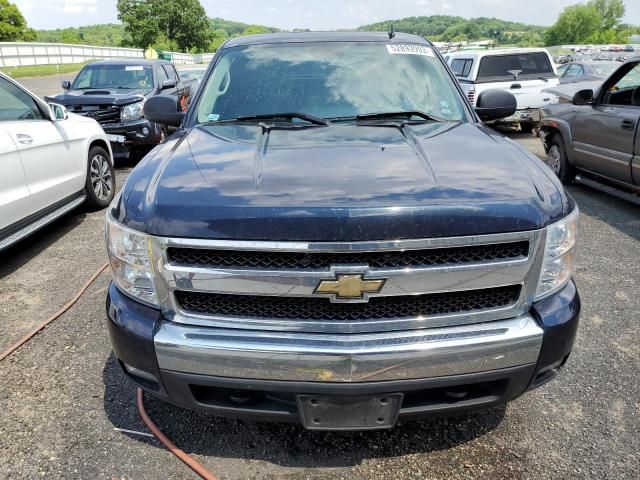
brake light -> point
(471, 95)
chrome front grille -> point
(321, 309)
(272, 286)
(199, 257)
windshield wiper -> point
(279, 116)
(405, 115)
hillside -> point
(436, 28)
(113, 34)
(105, 35)
(447, 28)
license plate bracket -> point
(337, 412)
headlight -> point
(128, 252)
(559, 255)
(131, 112)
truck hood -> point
(339, 183)
(99, 96)
(566, 91)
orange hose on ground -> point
(190, 462)
(42, 325)
(186, 459)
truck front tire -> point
(558, 162)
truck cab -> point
(333, 237)
(525, 72)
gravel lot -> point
(61, 395)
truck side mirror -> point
(66, 84)
(168, 84)
(583, 97)
(163, 110)
(495, 104)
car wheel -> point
(100, 186)
(526, 127)
(557, 160)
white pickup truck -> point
(524, 72)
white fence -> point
(19, 54)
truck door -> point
(605, 132)
(180, 91)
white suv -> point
(524, 72)
(51, 161)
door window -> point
(625, 91)
(171, 72)
(162, 75)
(574, 71)
(461, 66)
(17, 104)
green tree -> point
(255, 30)
(575, 25)
(218, 37)
(183, 22)
(611, 12)
(13, 26)
(597, 21)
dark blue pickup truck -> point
(332, 236)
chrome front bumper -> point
(350, 358)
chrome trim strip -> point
(348, 358)
(302, 283)
(370, 246)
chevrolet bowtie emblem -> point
(349, 286)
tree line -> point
(182, 25)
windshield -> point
(114, 76)
(328, 80)
(192, 74)
(604, 69)
(521, 66)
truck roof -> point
(496, 51)
(308, 37)
(129, 61)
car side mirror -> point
(495, 104)
(583, 97)
(168, 84)
(58, 112)
(163, 110)
(66, 85)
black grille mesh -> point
(300, 260)
(298, 308)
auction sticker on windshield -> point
(401, 49)
(134, 68)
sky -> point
(312, 14)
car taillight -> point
(472, 96)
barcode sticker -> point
(411, 49)
(133, 68)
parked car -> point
(195, 73)
(113, 92)
(586, 71)
(332, 236)
(50, 163)
(524, 72)
(595, 135)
